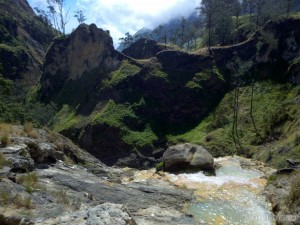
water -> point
(232, 197)
(235, 202)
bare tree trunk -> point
(251, 108)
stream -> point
(232, 197)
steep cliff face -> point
(23, 42)
(124, 110)
(117, 104)
(273, 52)
(75, 64)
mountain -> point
(24, 39)
(166, 29)
(240, 99)
(123, 110)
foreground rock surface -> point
(59, 191)
(187, 156)
(104, 214)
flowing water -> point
(232, 197)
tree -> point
(182, 30)
(60, 13)
(158, 32)
(44, 16)
(208, 10)
(64, 18)
(52, 12)
(288, 6)
(127, 40)
(79, 15)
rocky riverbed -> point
(46, 179)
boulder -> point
(187, 156)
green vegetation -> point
(159, 74)
(61, 197)
(28, 127)
(276, 114)
(272, 179)
(64, 119)
(126, 70)
(139, 139)
(203, 76)
(159, 166)
(5, 140)
(29, 181)
(122, 116)
(3, 161)
(293, 198)
(15, 200)
(17, 26)
(113, 114)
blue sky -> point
(121, 16)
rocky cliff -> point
(23, 42)
(124, 104)
(145, 48)
(46, 179)
(24, 38)
(76, 64)
(123, 110)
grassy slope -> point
(23, 39)
(276, 112)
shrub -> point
(5, 140)
(28, 127)
(294, 196)
(16, 200)
(297, 140)
(3, 161)
(272, 179)
(22, 202)
(61, 197)
(29, 181)
(159, 166)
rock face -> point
(273, 51)
(144, 49)
(24, 39)
(104, 214)
(285, 201)
(123, 109)
(63, 192)
(75, 64)
(187, 156)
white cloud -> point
(121, 16)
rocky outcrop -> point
(104, 214)
(102, 78)
(144, 48)
(119, 102)
(187, 157)
(24, 39)
(284, 197)
(76, 64)
(273, 53)
(61, 191)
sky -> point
(121, 16)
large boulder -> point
(187, 156)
